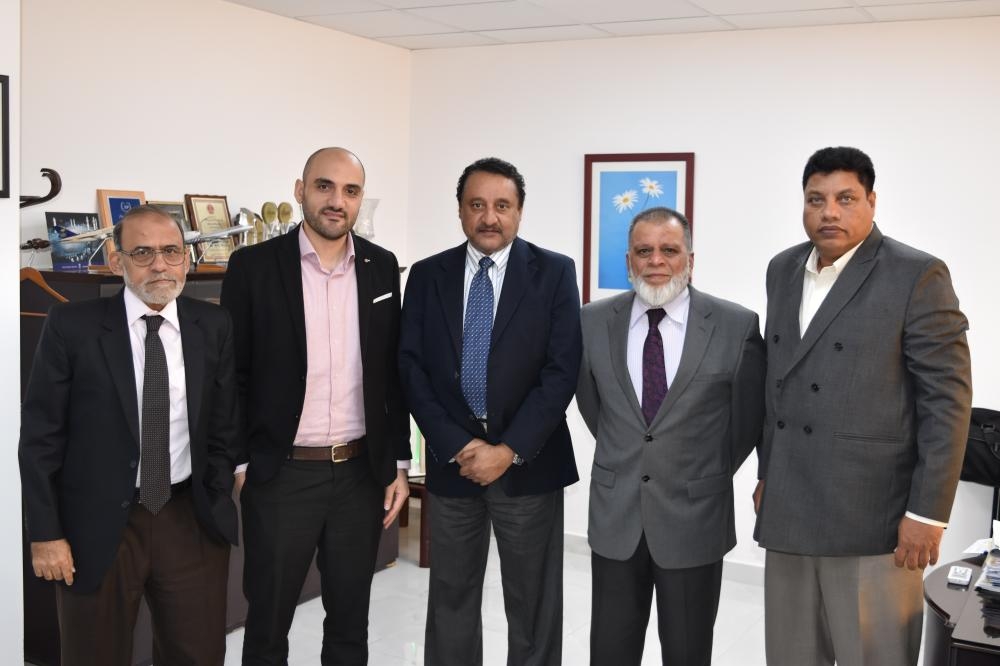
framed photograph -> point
(176, 210)
(113, 204)
(616, 188)
(4, 136)
(209, 214)
(69, 252)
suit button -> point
(838, 346)
(776, 337)
(781, 425)
(778, 383)
(645, 478)
(815, 387)
(296, 417)
(807, 430)
(132, 464)
(647, 438)
(456, 375)
(125, 505)
(302, 378)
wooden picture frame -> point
(209, 213)
(616, 188)
(112, 205)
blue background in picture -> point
(613, 238)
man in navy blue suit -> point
(490, 350)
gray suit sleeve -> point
(936, 355)
(748, 395)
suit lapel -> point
(450, 284)
(290, 265)
(696, 338)
(364, 270)
(193, 346)
(618, 325)
(857, 271)
(117, 349)
(517, 277)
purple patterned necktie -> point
(654, 372)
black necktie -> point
(654, 374)
(154, 476)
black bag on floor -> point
(982, 453)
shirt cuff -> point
(240, 469)
(928, 521)
(402, 464)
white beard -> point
(660, 296)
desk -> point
(955, 635)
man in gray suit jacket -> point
(671, 386)
(868, 399)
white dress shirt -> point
(816, 285)
(170, 336)
(672, 329)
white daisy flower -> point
(625, 200)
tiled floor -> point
(399, 605)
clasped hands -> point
(482, 462)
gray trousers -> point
(529, 533)
(859, 611)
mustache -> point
(489, 227)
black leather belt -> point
(337, 453)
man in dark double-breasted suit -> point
(127, 455)
(867, 412)
(489, 356)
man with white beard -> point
(671, 385)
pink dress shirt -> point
(333, 410)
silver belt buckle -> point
(333, 452)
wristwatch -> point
(518, 460)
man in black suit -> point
(489, 355)
(316, 315)
(127, 455)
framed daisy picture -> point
(616, 188)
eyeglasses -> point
(145, 256)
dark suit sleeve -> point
(44, 431)
(399, 417)
(764, 447)
(544, 406)
(236, 298)
(444, 437)
(937, 360)
(223, 446)
(747, 407)
(588, 398)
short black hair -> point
(664, 214)
(842, 158)
(144, 209)
(500, 168)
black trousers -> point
(182, 572)
(335, 509)
(687, 601)
(529, 532)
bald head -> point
(341, 153)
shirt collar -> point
(677, 309)
(812, 261)
(499, 257)
(135, 309)
(308, 253)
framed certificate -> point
(209, 215)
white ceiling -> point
(429, 24)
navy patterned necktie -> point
(154, 474)
(476, 338)
(654, 372)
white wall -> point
(921, 98)
(11, 614)
(204, 97)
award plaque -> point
(209, 214)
